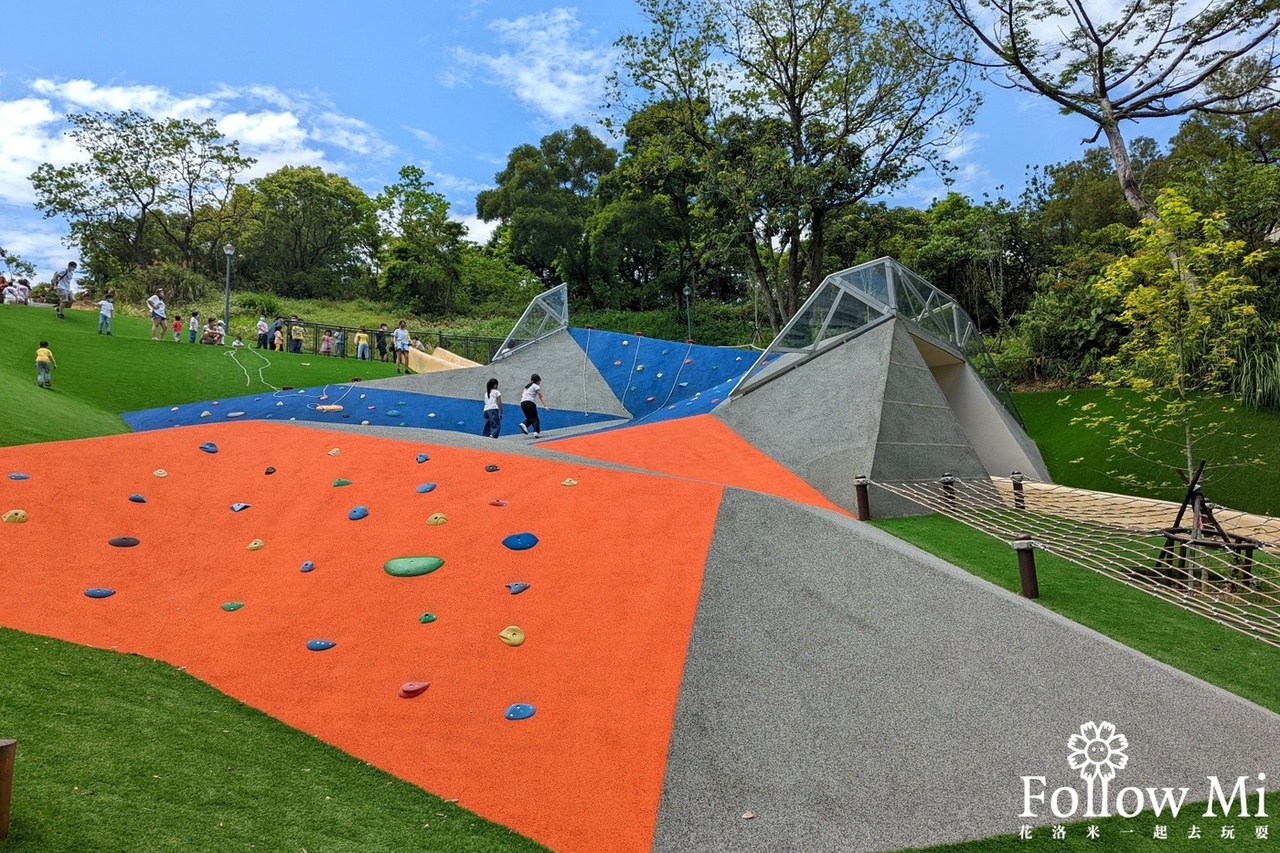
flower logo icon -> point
(1097, 751)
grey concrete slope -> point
(569, 379)
(856, 694)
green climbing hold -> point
(427, 618)
(341, 482)
(232, 606)
(410, 567)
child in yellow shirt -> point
(44, 363)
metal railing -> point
(475, 348)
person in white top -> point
(492, 409)
(263, 328)
(106, 310)
(529, 398)
(10, 292)
(24, 291)
(401, 342)
(159, 319)
(63, 281)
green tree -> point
(801, 108)
(1153, 59)
(1182, 339)
(145, 190)
(544, 198)
(422, 250)
(307, 233)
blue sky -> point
(365, 88)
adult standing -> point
(159, 319)
(24, 291)
(10, 291)
(529, 398)
(296, 332)
(63, 281)
(381, 338)
(401, 337)
(263, 328)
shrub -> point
(181, 285)
(267, 304)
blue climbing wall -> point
(656, 379)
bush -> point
(181, 285)
(1013, 359)
(266, 304)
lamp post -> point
(226, 307)
(688, 312)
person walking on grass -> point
(401, 338)
(45, 362)
(63, 281)
(106, 309)
(262, 331)
(159, 319)
(193, 327)
(529, 398)
(492, 409)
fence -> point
(477, 349)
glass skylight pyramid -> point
(547, 314)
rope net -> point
(1220, 563)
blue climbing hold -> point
(517, 587)
(520, 541)
(138, 499)
(308, 566)
(320, 645)
(422, 457)
(209, 447)
(358, 512)
(426, 487)
(99, 592)
(239, 507)
(19, 476)
(520, 711)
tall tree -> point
(421, 265)
(1153, 59)
(146, 185)
(801, 107)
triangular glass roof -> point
(850, 302)
(547, 314)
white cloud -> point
(429, 140)
(478, 231)
(548, 64)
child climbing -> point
(44, 363)
(529, 406)
(493, 409)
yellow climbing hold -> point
(569, 481)
(160, 472)
(334, 452)
(15, 516)
(255, 545)
(437, 519)
(512, 635)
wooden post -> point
(864, 503)
(8, 749)
(1027, 566)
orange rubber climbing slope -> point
(615, 578)
(701, 448)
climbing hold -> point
(683, 385)
(371, 408)
(648, 399)
(341, 482)
(291, 420)
(426, 487)
(324, 396)
(255, 545)
(15, 516)
(427, 618)
(569, 481)
(308, 566)
(410, 689)
(715, 367)
(520, 711)
(633, 388)
(393, 413)
(279, 404)
(497, 502)
(362, 396)
(659, 375)
(206, 413)
(688, 361)
(422, 457)
(617, 364)
(334, 452)
(269, 470)
(320, 645)
(161, 473)
(431, 414)
(512, 635)
(739, 358)
(19, 476)
(364, 423)
(626, 343)
(99, 592)
(517, 587)
(520, 541)
(235, 414)
(174, 409)
(402, 423)
(639, 368)
(123, 541)
(240, 507)
(138, 499)
(491, 468)
(232, 606)
(358, 512)
(215, 402)
(411, 567)
(436, 519)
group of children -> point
(529, 398)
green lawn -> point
(99, 377)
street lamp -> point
(688, 312)
(226, 307)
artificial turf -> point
(99, 377)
